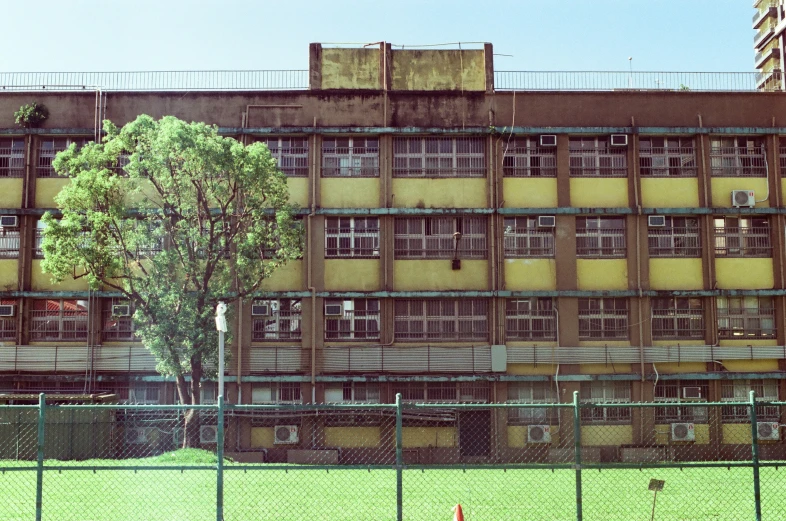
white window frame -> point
(144, 394)
(49, 147)
(678, 414)
(679, 238)
(360, 158)
(524, 239)
(662, 156)
(741, 318)
(277, 392)
(353, 392)
(441, 320)
(604, 317)
(433, 237)
(439, 157)
(532, 392)
(282, 324)
(292, 160)
(12, 158)
(117, 329)
(523, 314)
(8, 325)
(524, 157)
(739, 391)
(596, 238)
(738, 157)
(71, 325)
(595, 157)
(9, 243)
(606, 391)
(354, 323)
(737, 236)
(675, 315)
(351, 237)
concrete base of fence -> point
(246, 457)
(322, 457)
(644, 454)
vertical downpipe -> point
(399, 461)
(577, 453)
(39, 481)
(220, 456)
(755, 456)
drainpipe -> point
(309, 270)
(636, 186)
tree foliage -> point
(175, 218)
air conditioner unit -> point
(691, 393)
(548, 140)
(285, 434)
(9, 221)
(136, 435)
(768, 430)
(538, 434)
(121, 310)
(547, 221)
(260, 310)
(619, 140)
(7, 310)
(742, 198)
(208, 433)
(332, 310)
(656, 221)
(682, 432)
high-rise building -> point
(770, 25)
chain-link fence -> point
(598, 459)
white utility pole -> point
(221, 326)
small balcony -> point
(763, 56)
(764, 34)
(761, 16)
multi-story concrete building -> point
(770, 25)
(464, 244)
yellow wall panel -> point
(744, 273)
(676, 274)
(350, 68)
(343, 192)
(517, 436)
(602, 274)
(43, 281)
(438, 70)
(700, 430)
(287, 277)
(414, 437)
(298, 191)
(609, 368)
(683, 367)
(736, 433)
(530, 274)
(722, 187)
(671, 192)
(529, 192)
(440, 193)
(593, 192)
(606, 435)
(11, 193)
(745, 366)
(46, 189)
(352, 437)
(352, 274)
(425, 275)
(262, 437)
(783, 188)
(8, 274)
(542, 369)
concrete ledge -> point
(313, 457)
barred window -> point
(600, 237)
(291, 154)
(118, 321)
(603, 319)
(352, 319)
(119, 166)
(525, 239)
(144, 394)
(439, 157)
(9, 242)
(442, 320)
(59, 320)
(276, 319)
(8, 324)
(532, 392)
(745, 317)
(435, 237)
(525, 158)
(667, 157)
(354, 237)
(48, 148)
(738, 157)
(605, 391)
(595, 157)
(269, 250)
(742, 237)
(276, 392)
(680, 237)
(354, 392)
(739, 391)
(350, 157)
(675, 318)
(531, 318)
(12, 157)
(443, 392)
(675, 391)
(782, 154)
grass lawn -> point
(302, 493)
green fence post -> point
(577, 453)
(39, 480)
(220, 464)
(399, 461)
(755, 456)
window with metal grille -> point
(118, 322)
(119, 166)
(8, 324)
(667, 157)
(439, 157)
(443, 392)
(605, 391)
(739, 391)
(12, 157)
(525, 158)
(595, 157)
(525, 239)
(276, 392)
(603, 319)
(144, 394)
(531, 318)
(291, 154)
(532, 392)
(352, 319)
(48, 148)
(742, 237)
(282, 321)
(782, 154)
(442, 320)
(270, 249)
(600, 237)
(9, 243)
(738, 157)
(435, 237)
(353, 392)
(351, 237)
(675, 318)
(59, 320)
(680, 237)
(674, 391)
(350, 157)
(745, 317)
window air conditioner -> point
(7, 310)
(208, 433)
(548, 140)
(538, 434)
(619, 140)
(547, 221)
(121, 310)
(656, 221)
(768, 430)
(742, 198)
(691, 393)
(9, 221)
(333, 310)
(260, 310)
(285, 434)
(682, 432)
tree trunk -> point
(192, 423)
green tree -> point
(175, 218)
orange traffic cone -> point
(458, 515)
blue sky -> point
(110, 35)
